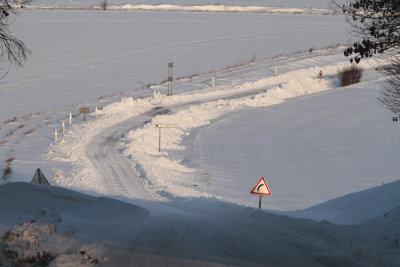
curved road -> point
(198, 232)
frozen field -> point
(329, 154)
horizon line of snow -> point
(198, 8)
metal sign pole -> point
(170, 77)
(261, 188)
(84, 111)
(159, 139)
(159, 126)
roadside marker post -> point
(63, 127)
(261, 188)
(70, 119)
(55, 135)
(213, 82)
(159, 126)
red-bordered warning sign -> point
(261, 188)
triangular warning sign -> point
(261, 188)
(39, 178)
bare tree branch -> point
(11, 49)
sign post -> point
(84, 111)
(170, 77)
(159, 126)
(261, 188)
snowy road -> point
(114, 169)
(185, 229)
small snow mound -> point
(33, 244)
(85, 256)
(24, 244)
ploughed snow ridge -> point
(191, 8)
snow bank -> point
(241, 3)
(356, 207)
(52, 224)
(27, 199)
(223, 8)
(187, 6)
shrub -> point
(7, 170)
(350, 75)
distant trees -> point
(377, 23)
(11, 49)
(103, 5)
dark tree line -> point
(377, 24)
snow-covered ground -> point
(329, 154)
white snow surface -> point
(329, 154)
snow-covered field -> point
(329, 154)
